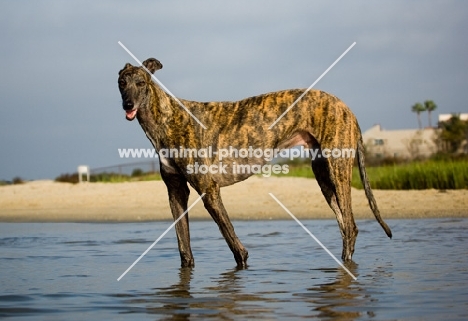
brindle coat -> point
(318, 120)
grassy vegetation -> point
(119, 178)
(111, 177)
(302, 170)
(15, 180)
(437, 174)
(419, 175)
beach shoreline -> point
(49, 201)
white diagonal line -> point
(162, 235)
(161, 84)
(313, 236)
(310, 87)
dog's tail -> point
(367, 188)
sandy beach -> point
(48, 201)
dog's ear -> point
(152, 64)
(127, 65)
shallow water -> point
(59, 271)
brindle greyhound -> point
(318, 121)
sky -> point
(60, 60)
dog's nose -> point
(128, 105)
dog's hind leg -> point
(333, 191)
(178, 197)
(342, 172)
(214, 205)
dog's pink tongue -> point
(130, 114)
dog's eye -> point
(122, 83)
(140, 83)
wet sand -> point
(48, 201)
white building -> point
(402, 143)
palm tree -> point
(418, 108)
(430, 106)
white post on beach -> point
(83, 169)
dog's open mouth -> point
(130, 114)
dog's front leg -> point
(215, 207)
(178, 197)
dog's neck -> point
(156, 116)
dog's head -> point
(134, 85)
